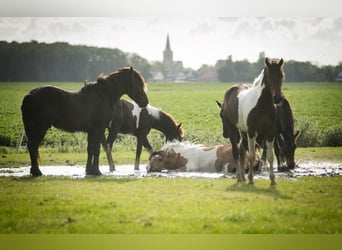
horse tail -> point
(29, 126)
(25, 113)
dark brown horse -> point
(285, 140)
(89, 110)
(129, 118)
(251, 110)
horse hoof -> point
(94, 173)
(36, 172)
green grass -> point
(193, 104)
(169, 205)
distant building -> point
(172, 68)
(168, 54)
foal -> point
(251, 110)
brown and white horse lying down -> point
(188, 157)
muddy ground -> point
(308, 168)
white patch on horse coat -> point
(136, 112)
(199, 158)
(247, 101)
(153, 111)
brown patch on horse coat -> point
(169, 160)
(231, 106)
(225, 156)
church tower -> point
(168, 54)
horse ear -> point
(267, 62)
(219, 104)
(179, 126)
(281, 62)
(131, 68)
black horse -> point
(285, 141)
(89, 110)
(129, 118)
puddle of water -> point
(127, 171)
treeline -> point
(33, 61)
(244, 71)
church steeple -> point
(168, 54)
(168, 47)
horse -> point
(129, 118)
(251, 111)
(88, 110)
(285, 140)
(188, 157)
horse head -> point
(225, 128)
(135, 85)
(287, 145)
(273, 77)
(176, 135)
(164, 160)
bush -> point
(310, 135)
(332, 136)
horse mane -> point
(122, 70)
(259, 79)
(183, 144)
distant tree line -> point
(34, 61)
(244, 71)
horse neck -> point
(164, 124)
(116, 86)
(285, 117)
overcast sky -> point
(195, 39)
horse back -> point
(231, 103)
(69, 111)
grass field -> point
(193, 104)
(169, 205)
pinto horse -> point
(188, 157)
(88, 110)
(251, 110)
(129, 118)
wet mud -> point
(308, 168)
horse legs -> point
(269, 145)
(138, 153)
(34, 154)
(107, 146)
(147, 146)
(251, 158)
(93, 149)
(34, 139)
(278, 154)
(238, 153)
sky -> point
(197, 37)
